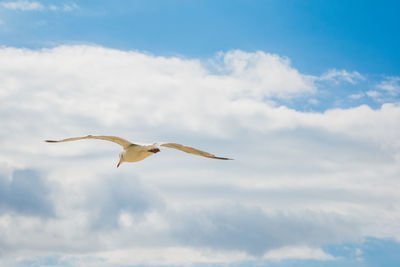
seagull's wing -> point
(124, 143)
(192, 150)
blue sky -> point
(315, 35)
(303, 94)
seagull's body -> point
(137, 153)
(134, 152)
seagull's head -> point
(121, 158)
(154, 150)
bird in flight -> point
(134, 152)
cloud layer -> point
(300, 180)
(25, 193)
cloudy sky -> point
(304, 95)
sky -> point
(304, 95)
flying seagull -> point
(134, 152)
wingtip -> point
(50, 141)
(223, 158)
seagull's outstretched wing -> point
(124, 143)
(192, 150)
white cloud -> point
(299, 179)
(386, 90)
(390, 84)
(356, 96)
(152, 79)
(337, 76)
(53, 7)
(25, 5)
(373, 94)
(265, 74)
(298, 253)
(170, 256)
(69, 7)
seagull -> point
(134, 152)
